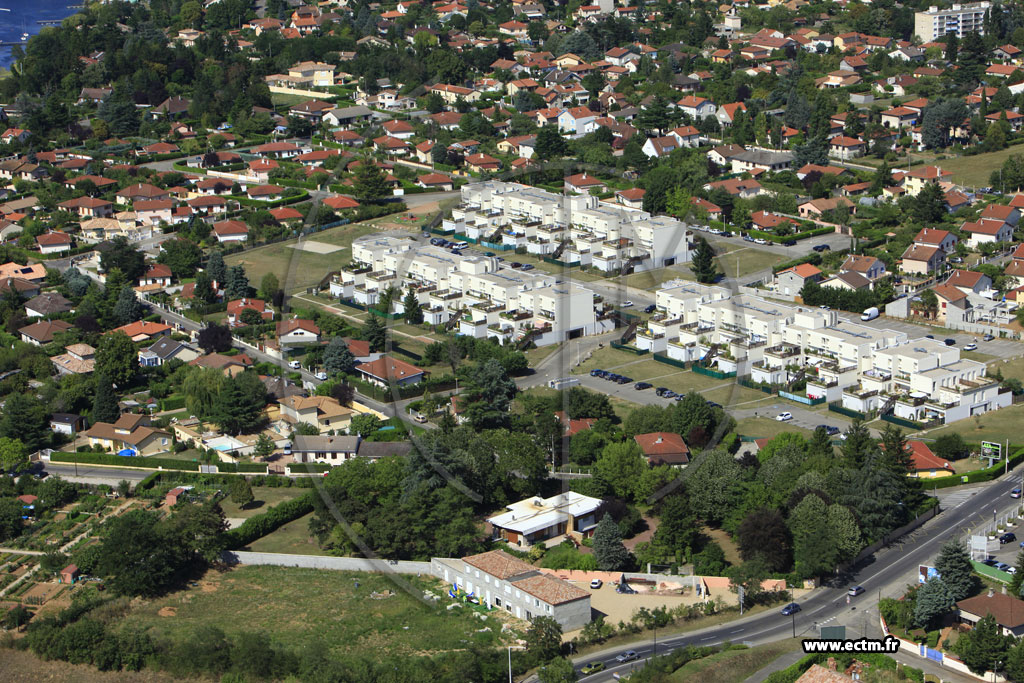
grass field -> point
(297, 269)
(764, 427)
(292, 538)
(977, 170)
(733, 666)
(301, 606)
(729, 547)
(745, 260)
(998, 425)
(264, 497)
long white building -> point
(960, 19)
(576, 228)
(488, 298)
(864, 368)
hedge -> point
(262, 203)
(310, 467)
(772, 237)
(987, 474)
(172, 403)
(121, 461)
(261, 525)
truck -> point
(869, 314)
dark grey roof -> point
(49, 303)
(325, 444)
(165, 347)
(383, 449)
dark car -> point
(712, 404)
(949, 341)
(929, 336)
(991, 561)
(436, 241)
(660, 391)
(791, 608)
(625, 588)
(1008, 537)
(822, 247)
(640, 386)
(789, 243)
(516, 264)
(488, 253)
(625, 380)
(596, 372)
(650, 309)
(831, 431)
(612, 377)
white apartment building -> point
(864, 368)
(609, 237)
(960, 19)
(476, 295)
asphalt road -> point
(1001, 348)
(883, 575)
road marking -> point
(739, 630)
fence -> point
(806, 400)
(991, 572)
(712, 373)
(630, 349)
(347, 564)
(757, 387)
(899, 421)
(662, 358)
(559, 262)
(836, 407)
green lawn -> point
(977, 170)
(746, 260)
(766, 427)
(998, 425)
(293, 537)
(298, 607)
(297, 269)
(733, 666)
(264, 497)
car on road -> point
(322, 376)
(822, 247)
(1008, 537)
(789, 243)
(294, 364)
(596, 372)
(1015, 493)
(627, 304)
(640, 386)
(592, 668)
(791, 608)
(650, 309)
(949, 341)
(612, 377)
(748, 238)
(761, 240)
(627, 656)
(970, 347)
(855, 591)
(987, 337)
(783, 417)
(830, 430)
(527, 266)
(596, 583)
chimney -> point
(831, 663)
(991, 592)
(1004, 589)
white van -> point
(869, 314)
(460, 245)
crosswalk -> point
(951, 498)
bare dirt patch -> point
(168, 611)
(43, 591)
(315, 247)
(23, 667)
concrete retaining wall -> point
(313, 94)
(348, 564)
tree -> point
(203, 290)
(954, 566)
(703, 263)
(950, 446)
(128, 308)
(13, 454)
(559, 670)
(214, 338)
(858, 446)
(239, 406)
(763, 533)
(750, 577)
(216, 269)
(364, 424)
(413, 310)
(550, 144)
(620, 467)
(938, 118)
(608, 549)
(544, 638)
(337, 358)
(116, 358)
(181, 256)
(895, 455)
(241, 492)
(124, 256)
(488, 393)
(983, 646)
(104, 406)
(250, 316)
(375, 333)
(18, 616)
(814, 552)
(370, 181)
(25, 419)
(934, 599)
(136, 556)
(269, 286)
(710, 561)
(265, 447)
(11, 524)
(929, 206)
(237, 285)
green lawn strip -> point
(293, 537)
(733, 666)
(766, 427)
(296, 606)
(264, 497)
(998, 425)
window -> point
(497, 602)
(529, 615)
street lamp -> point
(510, 648)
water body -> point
(23, 16)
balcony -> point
(782, 351)
(879, 375)
(647, 334)
(859, 392)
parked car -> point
(831, 431)
(294, 365)
(660, 391)
(596, 372)
(668, 393)
(929, 336)
(627, 304)
(516, 264)
(712, 404)
(624, 380)
(949, 341)
(322, 376)
(1008, 537)
(627, 656)
(748, 238)
(1003, 567)
(488, 253)
(419, 417)
(650, 309)
(783, 417)
(991, 562)
(640, 386)
(789, 243)
(970, 347)
(592, 668)
(987, 337)
(596, 583)
(822, 247)
(791, 608)
(527, 266)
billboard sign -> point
(926, 573)
(991, 449)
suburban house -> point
(386, 371)
(663, 448)
(970, 281)
(502, 581)
(129, 433)
(1007, 610)
(334, 450)
(54, 242)
(231, 231)
(47, 304)
(919, 259)
(143, 330)
(42, 332)
(868, 266)
(536, 520)
(924, 463)
(790, 281)
(322, 412)
(68, 424)
(164, 350)
(77, 359)
(296, 332)
(987, 231)
(236, 307)
(932, 237)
